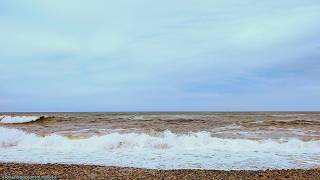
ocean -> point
(164, 140)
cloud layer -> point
(159, 56)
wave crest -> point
(192, 150)
(20, 119)
(164, 140)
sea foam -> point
(165, 150)
(18, 119)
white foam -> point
(165, 150)
(18, 119)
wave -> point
(20, 119)
(164, 150)
(163, 140)
(296, 122)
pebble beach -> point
(72, 171)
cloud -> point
(164, 55)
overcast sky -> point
(143, 55)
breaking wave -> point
(20, 119)
(164, 150)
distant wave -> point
(298, 122)
(164, 150)
(20, 119)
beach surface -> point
(72, 171)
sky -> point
(144, 55)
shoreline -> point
(76, 171)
